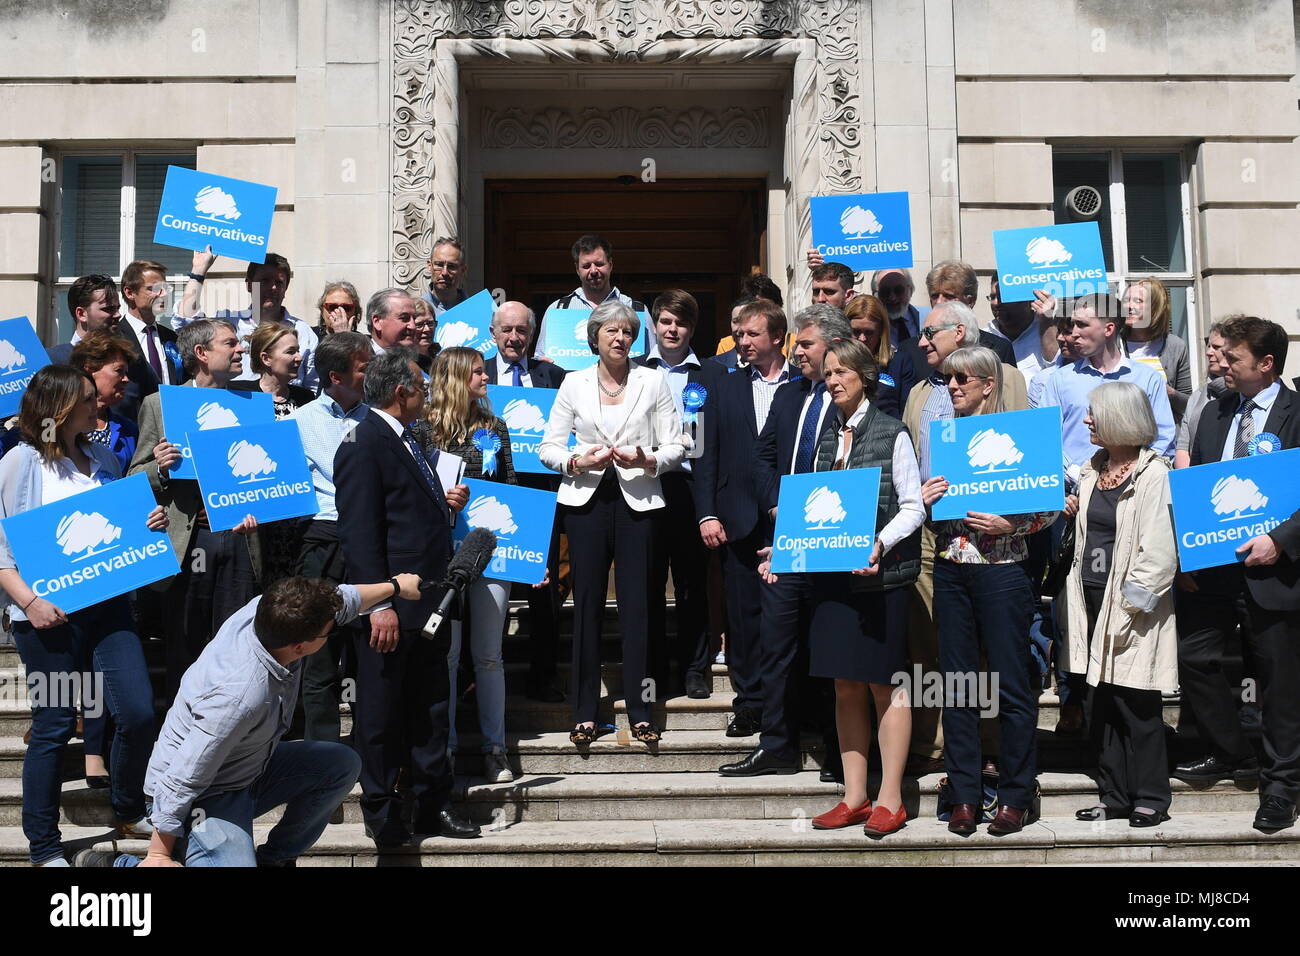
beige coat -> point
(1135, 643)
(1015, 398)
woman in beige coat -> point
(1120, 610)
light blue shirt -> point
(1039, 382)
(937, 406)
(1259, 415)
(1069, 386)
(324, 426)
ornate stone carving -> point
(623, 126)
(634, 31)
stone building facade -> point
(385, 123)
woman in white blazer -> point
(628, 432)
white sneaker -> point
(141, 829)
(720, 658)
(497, 768)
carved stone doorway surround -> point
(818, 41)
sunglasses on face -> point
(347, 307)
(962, 378)
(930, 331)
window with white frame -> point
(1140, 201)
(107, 209)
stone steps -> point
(1201, 837)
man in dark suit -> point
(93, 305)
(786, 445)
(1267, 582)
(394, 517)
(727, 506)
(513, 326)
(143, 284)
(693, 383)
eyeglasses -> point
(347, 307)
(962, 378)
(930, 331)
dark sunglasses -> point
(930, 331)
(962, 378)
(347, 307)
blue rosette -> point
(1264, 443)
(488, 443)
(694, 396)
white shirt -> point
(61, 479)
(507, 377)
(907, 483)
(827, 407)
(763, 390)
(307, 342)
(138, 326)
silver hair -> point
(953, 312)
(343, 284)
(386, 372)
(377, 306)
(830, 322)
(984, 363)
(532, 316)
(1121, 415)
(196, 333)
(611, 310)
(907, 277)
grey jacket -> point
(234, 704)
(1177, 366)
(20, 490)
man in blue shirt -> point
(1096, 323)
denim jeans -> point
(309, 778)
(98, 640)
(488, 602)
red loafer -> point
(882, 822)
(842, 816)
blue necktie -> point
(423, 462)
(518, 373)
(803, 459)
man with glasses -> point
(144, 287)
(953, 281)
(446, 272)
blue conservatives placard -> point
(91, 546)
(199, 209)
(21, 357)
(826, 521)
(563, 338)
(1220, 506)
(188, 410)
(468, 324)
(865, 231)
(525, 412)
(1004, 464)
(1065, 260)
(258, 470)
(521, 518)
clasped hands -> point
(628, 456)
(978, 521)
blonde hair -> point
(1157, 306)
(861, 305)
(262, 340)
(984, 363)
(453, 415)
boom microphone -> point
(466, 567)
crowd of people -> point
(666, 463)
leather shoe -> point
(1212, 769)
(388, 834)
(882, 822)
(963, 821)
(744, 723)
(1275, 813)
(447, 824)
(841, 816)
(1008, 820)
(832, 773)
(759, 762)
(919, 766)
(697, 686)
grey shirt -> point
(234, 704)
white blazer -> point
(648, 417)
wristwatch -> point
(397, 588)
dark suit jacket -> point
(1274, 588)
(912, 347)
(1000, 346)
(709, 375)
(59, 354)
(892, 398)
(726, 359)
(142, 380)
(390, 520)
(544, 374)
(298, 394)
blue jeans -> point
(97, 645)
(309, 778)
(488, 601)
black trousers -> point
(215, 581)
(1206, 623)
(745, 599)
(782, 660)
(324, 672)
(685, 554)
(1127, 728)
(400, 714)
(602, 531)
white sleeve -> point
(907, 487)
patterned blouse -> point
(956, 542)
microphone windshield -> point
(472, 556)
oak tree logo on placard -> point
(454, 334)
(521, 415)
(822, 509)
(249, 462)
(492, 514)
(989, 451)
(580, 332)
(215, 204)
(1235, 498)
(1043, 251)
(91, 534)
(215, 415)
(857, 222)
(11, 360)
